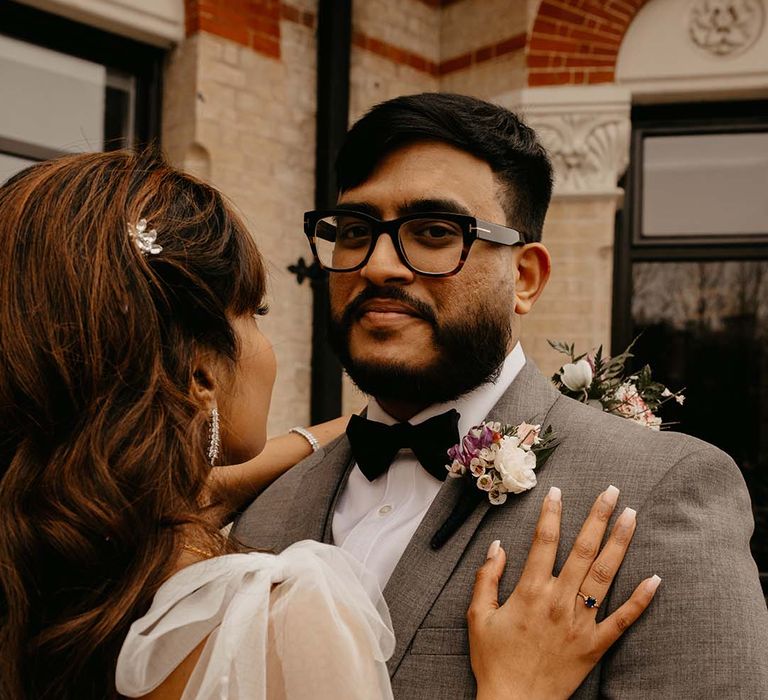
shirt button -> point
(385, 510)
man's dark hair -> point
(487, 131)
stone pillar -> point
(586, 131)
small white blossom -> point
(497, 497)
(486, 454)
(456, 470)
(485, 482)
(680, 399)
(477, 467)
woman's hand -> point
(236, 485)
(544, 640)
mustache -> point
(354, 311)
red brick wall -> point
(577, 41)
(253, 23)
(571, 41)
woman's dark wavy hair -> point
(102, 449)
(487, 131)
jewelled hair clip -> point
(145, 240)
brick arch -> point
(574, 42)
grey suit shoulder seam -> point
(684, 458)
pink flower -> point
(528, 434)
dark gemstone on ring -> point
(590, 602)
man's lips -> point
(387, 306)
(386, 314)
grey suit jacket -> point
(706, 632)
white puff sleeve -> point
(307, 624)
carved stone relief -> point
(585, 130)
(589, 151)
(726, 27)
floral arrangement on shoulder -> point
(601, 381)
(501, 458)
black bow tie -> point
(374, 445)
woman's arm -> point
(238, 484)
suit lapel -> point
(347, 463)
(316, 494)
(422, 572)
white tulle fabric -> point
(307, 624)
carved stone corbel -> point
(586, 130)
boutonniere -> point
(501, 459)
(494, 460)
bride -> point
(131, 360)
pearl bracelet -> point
(311, 439)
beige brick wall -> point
(576, 304)
(489, 79)
(471, 24)
(374, 79)
(407, 24)
(246, 122)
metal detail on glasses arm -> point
(495, 233)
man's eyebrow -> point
(360, 207)
(423, 206)
(415, 206)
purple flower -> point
(486, 437)
(456, 454)
(471, 446)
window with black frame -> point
(691, 277)
(66, 87)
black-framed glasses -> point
(434, 244)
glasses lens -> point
(342, 242)
(432, 245)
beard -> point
(469, 351)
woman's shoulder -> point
(230, 601)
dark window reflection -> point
(704, 326)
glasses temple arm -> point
(496, 233)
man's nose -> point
(384, 265)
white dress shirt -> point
(375, 520)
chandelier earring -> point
(214, 437)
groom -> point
(426, 313)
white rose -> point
(577, 375)
(515, 466)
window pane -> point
(119, 108)
(705, 328)
(58, 100)
(705, 185)
(10, 165)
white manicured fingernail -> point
(555, 494)
(652, 584)
(627, 517)
(610, 495)
(493, 550)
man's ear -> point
(533, 269)
(204, 382)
